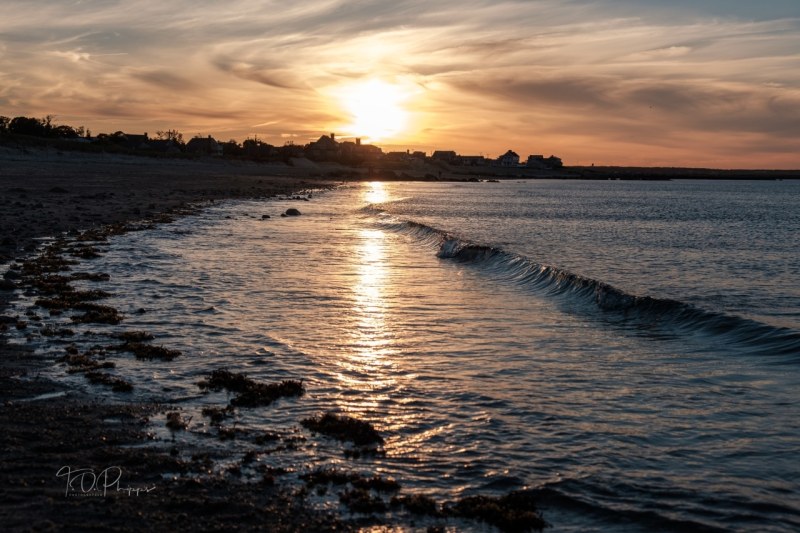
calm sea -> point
(629, 349)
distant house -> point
(536, 161)
(136, 142)
(554, 162)
(355, 152)
(472, 160)
(204, 146)
(508, 159)
(323, 149)
(446, 156)
(164, 146)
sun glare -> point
(375, 108)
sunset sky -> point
(712, 83)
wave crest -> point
(595, 295)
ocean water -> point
(628, 349)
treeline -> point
(44, 131)
(170, 143)
(41, 127)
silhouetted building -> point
(323, 149)
(540, 161)
(204, 146)
(472, 160)
(164, 146)
(446, 156)
(508, 159)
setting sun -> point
(375, 108)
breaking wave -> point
(598, 296)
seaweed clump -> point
(418, 504)
(175, 422)
(148, 351)
(250, 393)
(217, 414)
(362, 501)
(71, 299)
(97, 314)
(333, 476)
(344, 428)
(83, 363)
(116, 384)
(134, 336)
(516, 511)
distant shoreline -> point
(49, 151)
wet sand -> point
(42, 194)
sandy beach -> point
(45, 194)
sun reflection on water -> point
(375, 192)
(368, 362)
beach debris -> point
(50, 284)
(268, 437)
(231, 432)
(148, 351)
(49, 262)
(82, 362)
(116, 384)
(71, 299)
(89, 276)
(362, 501)
(418, 504)
(344, 428)
(250, 393)
(52, 331)
(334, 476)
(516, 511)
(97, 314)
(134, 336)
(84, 252)
(175, 422)
(217, 414)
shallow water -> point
(629, 348)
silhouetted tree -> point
(27, 126)
(257, 149)
(65, 132)
(170, 135)
(4, 124)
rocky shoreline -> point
(73, 462)
(47, 427)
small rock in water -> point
(264, 217)
(292, 212)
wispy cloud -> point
(610, 81)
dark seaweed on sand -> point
(333, 476)
(250, 393)
(134, 336)
(71, 299)
(344, 428)
(97, 314)
(362, 501)
(418, 504)
(116, 384)
(516, 511)
(148, 351)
